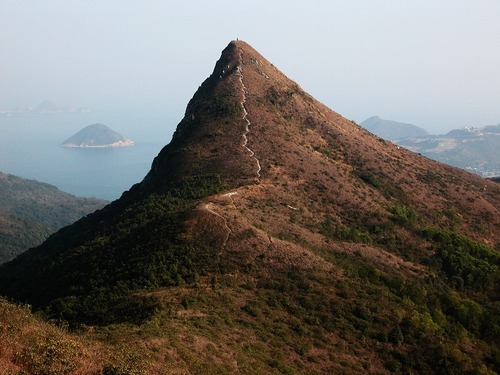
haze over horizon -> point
(427, 63)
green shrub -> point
(396, 336)
(464, 262)
(404, 215)
(344, 233)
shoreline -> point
(126, 143)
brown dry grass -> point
(29, 345)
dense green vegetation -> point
(17, 235)
(413, 324)
(30, 211)
(344, 233)
(432, 319)
(464, 262)
(144, 248)
(407, 322)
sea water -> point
(30, 147)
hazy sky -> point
(432, 63)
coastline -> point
(125, 143)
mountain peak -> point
(296, 220)
(248, 123)
(237, 116)
(212, 140)
(236, 54)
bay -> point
(30, 148)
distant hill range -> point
(97, 135)
(470, 148)
(45, 107)
(30, 211)
(48, 107)
(392, 130)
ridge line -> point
(239, 73)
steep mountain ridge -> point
(275, 234)
(203, 145)
(274, 104)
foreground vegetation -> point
(175, 309)
(295, 321)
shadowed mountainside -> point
(272, 235)
(30, 211)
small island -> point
(97, 135)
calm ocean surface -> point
(30, 148)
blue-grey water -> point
(30, 148)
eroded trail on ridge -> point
(210, 206)
(239, 72)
